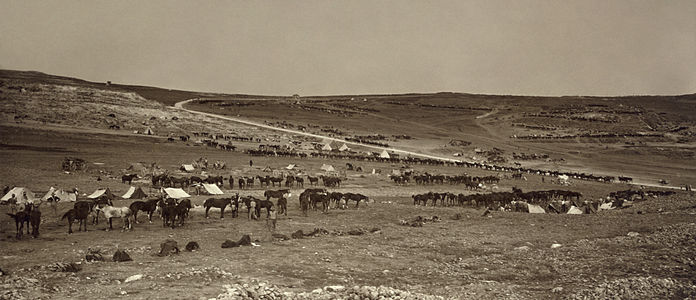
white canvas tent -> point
(290, 167)
(134, 193)
(344, 148)
(176, 193)
(212, 189)
(101, 193)
(21, 194)
(574, 211)
(327, 147)
(61, 194)
(606, 206)
(187, 168)
(535, 209)
(384, 154)
(327, 168)
(149, 131)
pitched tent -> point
(176, 193)
(149, 131)
(535, 209)
(134, 193)
(327, 147)
(290, 167)
(606, 206)
(212, 189)
(61, 194)
(344, 148)
(22, 195)
(138, 168)
(102, 193)
(327, 168)
(574, 211)
(384, 154)
(187, 168)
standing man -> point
(272, 217)
(251, 163)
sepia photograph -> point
(357, 150)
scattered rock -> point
(297, 234)
(486, 212)
(522, 248)
(633, 234)
(65, 267)
(244, 241)
(457, 216)
(94, 255)
(557, 289)
(553, 246)
(280, 236)
(2, 272)
(134, 278)
(121, 256)
(192, 246)
(356, 232)
(169, 247)
(229, 244)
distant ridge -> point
(171, 96)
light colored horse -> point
(118, 212)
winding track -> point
(180, 106)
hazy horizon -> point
(532, 48)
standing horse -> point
(80, 212)
(357, 198)
(111, 212)
(128, 178)
(313, 180)
(35, 220)
(20, 218)
(320, 197)
(304, 203)
(283, 206)
(267, 204)
(277, 194)
(148, 206)
(220, 203)
(181, 211)
(168, 208)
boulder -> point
(192, 246)
(121, 256)
(229, 244)
(245, 241)
(281, 237)
(94, 255)
(168, 247)
(297, 234)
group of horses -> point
(471, 182)
(493, 200)
(30, 214)
(83, 209)
(166, 180)
(313, 197)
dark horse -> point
(283, 206)
(267, 204)
(128, 178)
(80, 212)
(148, 206)
(22, 217)
(181, 211)
(168, 207)
(222, 203)
(276, 194)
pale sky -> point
(583, 47)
